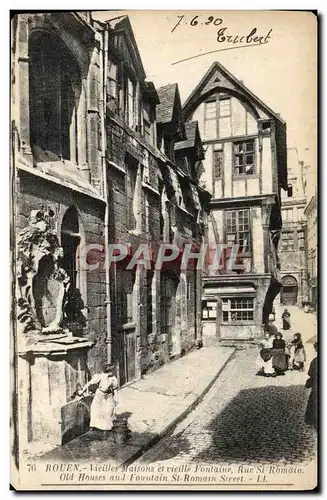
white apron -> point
(103, 404)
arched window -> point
(70, 241)
(55, 89)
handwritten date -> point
(251, 37)
(215, 21)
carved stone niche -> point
(43, 288)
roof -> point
(191, 129)
(218, 77)
(167, 96)
(217, 66)
(311, 205)
(152, 92)
(123, 23)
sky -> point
(282, 72)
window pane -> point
(249, 159)
(225, 316)
(224, 105)
(231, 239)
(244, 242)
(238, 159)
(210, 130)
(249, 169)
(244, 158)
(210, 109)
(249, 146)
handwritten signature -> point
(253, 37)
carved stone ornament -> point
(41, 283)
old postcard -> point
(164, 250)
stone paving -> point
(244, 418)
(305, 323)
(153, 406)
(247, 418)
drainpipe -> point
(103, 79)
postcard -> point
(164, 250)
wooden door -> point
(289, 295)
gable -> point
(219, 79)
(124, 45)
(169, 110)
(165, 108)
(289, 267)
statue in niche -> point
(45, 303)
(34, 242)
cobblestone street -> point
(247, 418)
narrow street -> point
(246, 418)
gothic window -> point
(55, 89)
(244, 158)
(70, 241)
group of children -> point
(277, 355)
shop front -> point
(232, 311)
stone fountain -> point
(52, 359)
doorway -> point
(289, 291)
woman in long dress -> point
(298, 354)
(311, 414)
(264, 361)
(279, 357)
(105, 399)
(286, 317)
